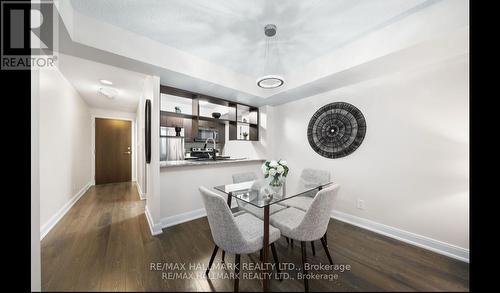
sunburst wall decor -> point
(336, 130)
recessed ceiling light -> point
(104, 81)
(108, 92)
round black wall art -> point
(336, 130)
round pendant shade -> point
(270, 81)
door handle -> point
(128, 153)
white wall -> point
(140, 155)
(180, 196)
(151, 174)
(64, 145)
(260, 149)
(111, 114)
(35, 182)
(412, 168)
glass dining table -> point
(260, 194)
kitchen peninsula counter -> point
(183, 163)
(180, 198)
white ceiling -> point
(84, 75)
(230, 32)
(212, 47)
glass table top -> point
(260, 194)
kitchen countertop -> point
(181, 163)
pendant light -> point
(271, 81)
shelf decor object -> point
(336, 130)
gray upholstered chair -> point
(308, 178)
(246, 207)
(258, 212)
(239, 235)
(244, 177)
(310, 225)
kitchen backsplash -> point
(189, 145)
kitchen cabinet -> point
(189, 133)
(186, 123)
(242, 120)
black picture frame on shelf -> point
(147, 130)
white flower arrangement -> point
(275, 169)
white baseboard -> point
(45, 228)
(155, 228)
(437, 246)
(181, 218)
(142, 196)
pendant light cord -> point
(266, 65)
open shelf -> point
(218, 120)
(174, 102)
(196, 111)
(237, 129)
(246, 123)
(180, 115)
(247, 114)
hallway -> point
(104, 243)
(90, 248)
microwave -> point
(206, 133)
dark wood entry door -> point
(113, 153)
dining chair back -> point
(243, 177)
(315, 221)
(239, 235)
(311, 177)
(310, 225)
(224, 230)
(256, 186)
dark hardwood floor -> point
(104, 244)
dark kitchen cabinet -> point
(170, 121)
(189, 132)
(221, 132)
(187, 123)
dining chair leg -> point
(287, 240)
(276, 261)
(313, 249)
(291, 241)
(212, 259)
(304, 261)
(223, 255)
(325, 247)
(237, 273)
